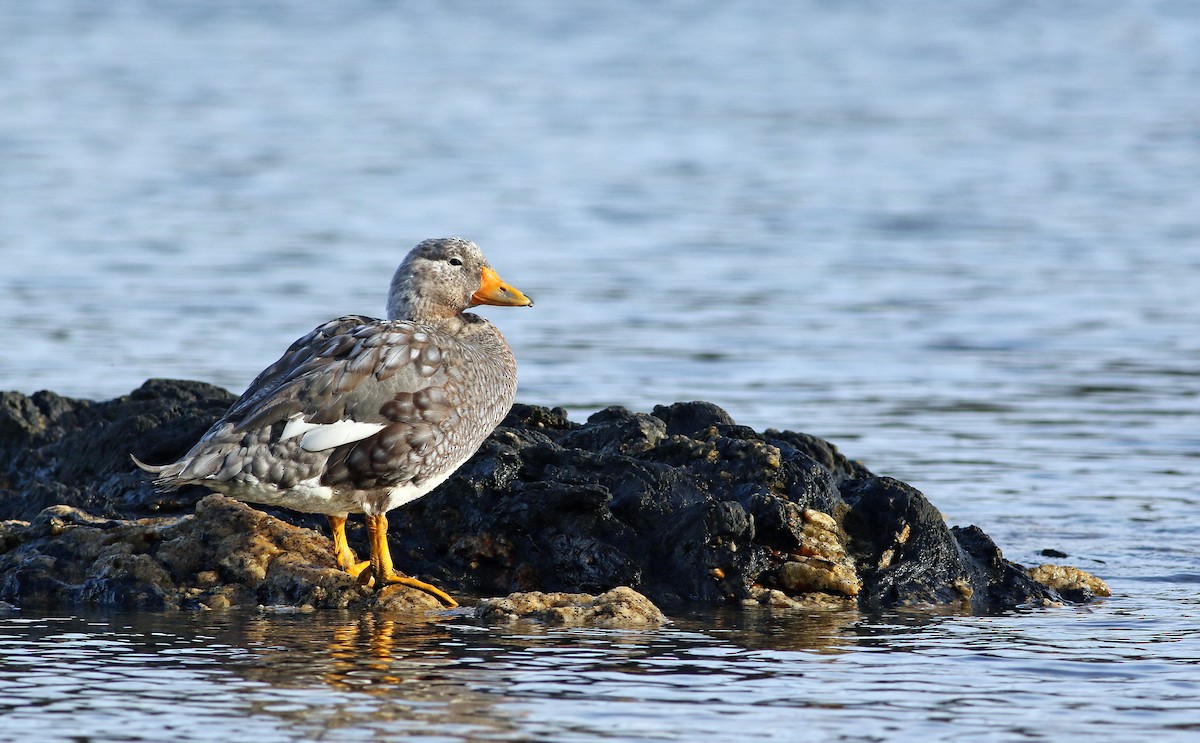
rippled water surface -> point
(1048, 675)
(961, 240)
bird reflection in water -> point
(327, 672)
(366, 654)
(401, 674)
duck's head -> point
(442, 277)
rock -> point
(617, 431)
(12, 534)
(808, 574)
(58, 451)
(817, 601)
(1071, 583)
(226, 554)
(819, 562)
(681, 505)
(908, 556)
(686, 418)
(620, 607)
(399, 599)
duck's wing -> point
(298, 357)
(343, 372)
(348, 380)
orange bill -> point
(493, 290)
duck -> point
(364, 415)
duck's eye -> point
(456, 261)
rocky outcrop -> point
(680, 504)
(224, 554)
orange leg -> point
(381, 567)
(346, 559)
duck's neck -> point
(431, 316)
(405, 303)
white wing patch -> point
(296, 425)
(322, 436)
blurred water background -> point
(960, 240)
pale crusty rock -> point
(773, 597)
(820, 563)
(620, 607)
(400, 599)
(822, 521)
(806, 574)
(1068, 580)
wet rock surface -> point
(620, 607)
(681, 505)
(1071, 583)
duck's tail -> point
(164, 474)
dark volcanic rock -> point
(58, 451)
(682, 505)
(908, 556)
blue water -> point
(231, 676)
(961, 240)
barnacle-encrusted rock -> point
(820, 562)
(817, 600)
(620, 607)
(1071, 583)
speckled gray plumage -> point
(436, 379)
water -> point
(824, 677)
(962, 241)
